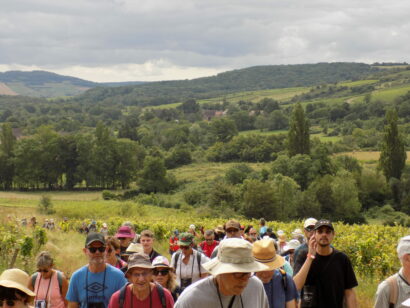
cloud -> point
(166, 38)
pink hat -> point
(160, 261)
(125, 231)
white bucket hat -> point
(292, 244)
(16, 279)
(234, 256)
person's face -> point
(265, 276)
(110, 253)
(45, 271)
(233, 233)
(161, 275)
(308, 231)
(324, 236)
(140, 278)
(15, 303)
(232, 283)
(186, 249)
(147, 243)
(209, 239)
(253, 234)
(125, 241)
(95, 253)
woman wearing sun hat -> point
(13, 289)
(279, 286)
(164, 275)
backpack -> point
(198, 257)
(392, 281)
(160, 289)
(59, 278)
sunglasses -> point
(122, 238)
(309, 228)
(94, 249)
(161, 272)
(42, 270)
(184, 247)
(9, 302)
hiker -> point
(209, 244)
(231, 284)
(233, 230)
(93, 284)
(147, 242)
(173, 242)
(289, 250)
(125, 235)
(13, 289)
(326, 278)
(263, 228)
(279, 286)
(112, 253)
(164, 275)
(187, 262)
(49, 285)
(104, 229)
(141, 292)
(299, 256)
(393, 291)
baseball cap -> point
(232, 224)
(160, 261)
(94, 237)
(309, 222)
(403, 247)
(185, 239)
(323, 223)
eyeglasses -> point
(241, 275)
(161, 272)
(42, 270)
(121, 238)
(9, 302)
(184, 247)
(94, 249)
(138, 275)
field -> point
(389, 95)
(369, 156)
(321, 136)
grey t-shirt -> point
(203, 294)
(383, 293)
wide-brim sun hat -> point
(234, 256)
(125, 231)
(139, 260)
(292, 244)
(264, 252)
(16, 279)
(134, 248)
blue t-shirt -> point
(85, 284)
(275, 290)
(262, 230)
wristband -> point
(311, 256)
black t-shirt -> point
(299, 258)
(331, 275)
(153, 255)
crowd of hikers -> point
(230, 266)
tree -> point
(393, 155)
(7, 142)
(259, 200)
(223, 129)
(298, 136)
(153, 175)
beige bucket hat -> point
(234, 256)
(16, 279)
(264, 252)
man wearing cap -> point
(396, 289)
(299, 256)
(125, 235)
(233, 230)
(141, 292)
(231, 284)
(187, 262)
(147, 242)
(279, 286)
(93, 284)
(326, 278)
(208, 246)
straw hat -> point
(16, 279)
(234, 256)
(264, 252)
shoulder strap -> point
(60, 281)
(177, 254)
(198, 256)
(284, 279)
(33, 279)
(161, 295)
(392, 281)
(121, 298)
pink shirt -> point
(54, 298)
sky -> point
(151, 40)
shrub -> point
(108, 195)
(45, 205)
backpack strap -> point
(177, 254)
(121, 298)
(161, 295)
(33, 279)
(198, 257)
(60, 281)
(392, 281)
(284, 279)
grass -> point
(357, 83)
(389, 95)
(368, 156)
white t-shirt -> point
(203, 294)
(191, 269)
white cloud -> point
(158, 39)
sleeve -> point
(114, 300)
(350, 277)
(291, 292)
(72, 293)
(382, 295)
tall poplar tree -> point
(298, 136)
(7, 142)
(393, 155)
